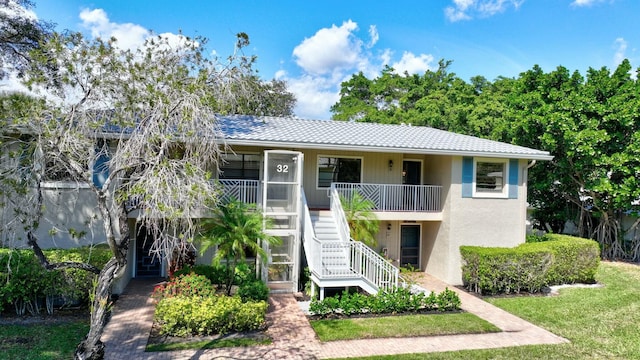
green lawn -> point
(41, 342)
(401, 326)
(601, 323)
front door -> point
(410, 245)
(411, 172)
(147, 265)
(411, 175)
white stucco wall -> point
(482, 221)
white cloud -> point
(586, 2)
(329, 49)
(130, 36)
(331, 56)
(314, 94)
(413, 64)
(469, 9)
(621, 47)
(373, 33)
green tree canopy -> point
(588, 123)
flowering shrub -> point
(186, 285)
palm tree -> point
(363, 223)
(236, 228)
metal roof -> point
(359, 136)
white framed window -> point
(490, 178)
(334, 168)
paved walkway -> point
(126, 333)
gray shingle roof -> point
(357, 136)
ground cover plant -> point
(393, 301)
(600, 323)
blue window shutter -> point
(513, 179)
(467, 177)
(100, 169)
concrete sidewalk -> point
(293, 338)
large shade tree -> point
(589, 124)
(126, 125)
(20, 32)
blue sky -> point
(315, 45)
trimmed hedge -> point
(218, 314)
(557, 259)
(27, 286)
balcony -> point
(398, 202)
(246, 191)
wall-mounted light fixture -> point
(390, 165)
(388, 226)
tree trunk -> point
(92, 348)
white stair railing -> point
(363, 261)
(310, 243)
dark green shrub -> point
(255, 290)
(504, 270)
(448, 300)
(529, 267)
(576, 260)
(217, 274)
(195, 315)
(398, 300)
(352, 303)
(27, 285)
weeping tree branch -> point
(33, 242)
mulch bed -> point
(156, 338)
(59, 316)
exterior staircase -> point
(336, 260)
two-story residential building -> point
(432, 191)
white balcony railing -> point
(246, 191)
(391, 197)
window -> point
(240, 166)
(490, 176)
(334, 169)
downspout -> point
(525, 180)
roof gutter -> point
(341, 147)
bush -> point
(27, 285)
(255, 290)
(556, 259)
(217, 274)
(393, 301)
(184, 285)
(504, 270)
(195, 315)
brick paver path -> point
(126, 333)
